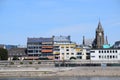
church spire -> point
(99, 28)
(106, 40)
(99, 39)
(83, 40)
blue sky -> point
(20, 19)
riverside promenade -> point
(48, 69)
(58, 71)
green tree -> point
(3, 54)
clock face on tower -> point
(100, 34)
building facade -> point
(67, 51)
(105, 54)
(20, 53)
(40, 48)
(64, 48)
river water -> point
(65, 78)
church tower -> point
(99, 40)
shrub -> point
(21, 62)
(11, 63)
(30, 62)
(39, 62)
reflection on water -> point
(65, 78)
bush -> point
(30, 62)
(39, 62)
(21, 62)
(11, 63)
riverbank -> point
(55, 71)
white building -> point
(64, 48)
(105, 54)
(67, 51)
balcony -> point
(47, 47)
(56, 53)
(47, 51)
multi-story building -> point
(67, 51)
(105, 54)
(47, 48)
(63, 47)
(86, 52)
(79, 53)
(40, 47)
(82, 52)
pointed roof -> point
(99, 28)
(83, 40)
(106, 40)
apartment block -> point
(40, 48)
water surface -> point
(65, 78)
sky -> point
(20, 19)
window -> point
(92, 56)
(67, 53)
(113, 51)
(113, 56)
(116, 51)
(99, 57)
(79, 53)
(116, 56)
(72, 53)
(87, 57)
(107, 56)
(104, 51)
(88, 54)
(67, 49)
(107, 51)
(30, 51)
(102, 57)
(92, 51)
(79, 57)
(62, 53)
(110, 57)
(99, 51)
(110, 51)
